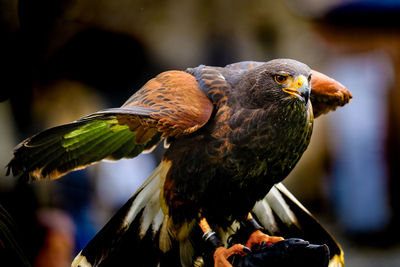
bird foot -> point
(258, 237)
(222, 254)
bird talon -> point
(222, 254)
(258, 238)
(246, 249)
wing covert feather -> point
(181, 108)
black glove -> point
(289, 252)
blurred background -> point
(62, 59)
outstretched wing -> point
(170, 104)
(326, 93)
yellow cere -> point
(297, 82)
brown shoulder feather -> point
(181, 108)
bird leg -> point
(221, 254)
(257, 237)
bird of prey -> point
(232, 133)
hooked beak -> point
(298, 87)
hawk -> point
(232, 133)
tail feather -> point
(157, 221)
(149, 213)
(141, 234)
(165, 242)
(150, 189)
(280, 207)
(136, 216)
(265, 216)
(186, 252)
(292, 219)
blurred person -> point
(58, 246)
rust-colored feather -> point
(181, 108)
(327, 94)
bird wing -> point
(169, 105)
(326, 93)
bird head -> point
(279, 79)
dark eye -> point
(280, 78)
(309, 78)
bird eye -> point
(280, 78)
